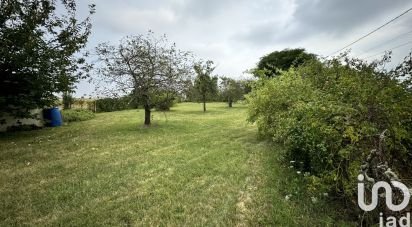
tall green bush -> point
(328, 116)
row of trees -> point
(40, 57)
(154, 72)
(213, 88)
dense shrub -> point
(164, 104)
(328, 116)
(114, 104)
(77, 115)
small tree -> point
(231, 90)
(205, 85)
(143, 66)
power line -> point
(382, 44)
(370, 33)
(393, 48)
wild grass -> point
(190, 168)
(77, 115)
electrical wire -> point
(370, 33)
(382, 44)
(393, 48)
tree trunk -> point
(230, 103)
(147, 115)
(204, 103)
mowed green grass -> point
(190, 168)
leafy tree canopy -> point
(145, 66)
(205, 84)
(39, 52)
(232, 90)
(278, 61)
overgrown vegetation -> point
(328, 116)
(77, 115)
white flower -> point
(290, 167)
(287, 197)
(292, 161)
(298, 172)
(314, 199)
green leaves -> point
(274, 63)
(205, 85)
(145, 66)
(231, 90)
(328, 115)
(39, 53)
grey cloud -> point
(206, 9)
(339, 17)
(235, 33)
(335, 18)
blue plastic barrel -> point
(53, 117)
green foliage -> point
(67, 100)
(77, 115)
(39, 52)
(144, 67)
(231, 90)
(188, 93)
(328, 116)
(246, 85)
(114, 104)
(164, 101)
(277, 61)
(205, 84)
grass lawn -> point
(192, 169)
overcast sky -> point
(236, 33)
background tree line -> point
(40, 60)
